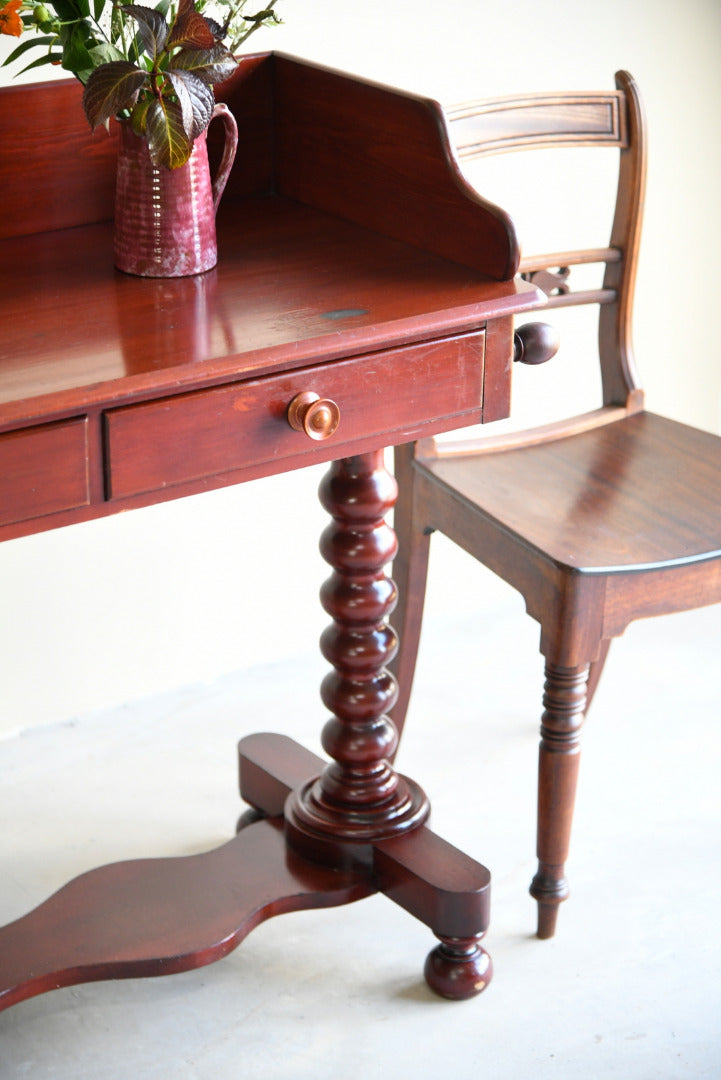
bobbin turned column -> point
(356, 814)
(359, 813)
(358, 798)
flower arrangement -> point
(154, 67)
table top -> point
(293, 285)
(354, 260)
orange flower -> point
(10, 21)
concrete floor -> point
(631, 986)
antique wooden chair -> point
(605, 518)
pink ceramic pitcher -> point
(165, 218)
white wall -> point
(101, 613)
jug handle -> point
(222, 112)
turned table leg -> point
(359, 796)
(358, 813)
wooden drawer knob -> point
(535, 343)
(317, 417)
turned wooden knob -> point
(535, 343)
(317, 417)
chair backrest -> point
(597, 119)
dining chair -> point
(598, 520)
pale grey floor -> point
(630, 988)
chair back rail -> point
(500, 125)
(539, 121)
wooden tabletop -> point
(354, 262)
(293, 285)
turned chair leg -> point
(564, 702)
(595, 671)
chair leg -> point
(564, 703)
(410, 571)
(595, 672)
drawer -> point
(205, 433)
(43, 470)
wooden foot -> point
(458, 969)
(450, 893)
(547, 915)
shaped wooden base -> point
(320, 834)
(160, 916)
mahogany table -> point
(364, 297)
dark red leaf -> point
(110, 88)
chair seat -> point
(642, 492)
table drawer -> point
(43, 470)
(201, 434)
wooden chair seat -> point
(596, 520)
(614, 498)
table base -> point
(151, 917)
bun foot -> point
(458, 968)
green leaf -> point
(168, 142)
(105, 53)
(111, 88)
(71, 10)
(29, 44)
(47, 58)
(261, 16)
(76, 57)
(196, 101)
(152, 27)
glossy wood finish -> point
(359, 796)
(356, 813)
(161, 916)
(307, 276)
(193, 436)
(30, 483)
(117, 392)
(324, 161)
(598, 520)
